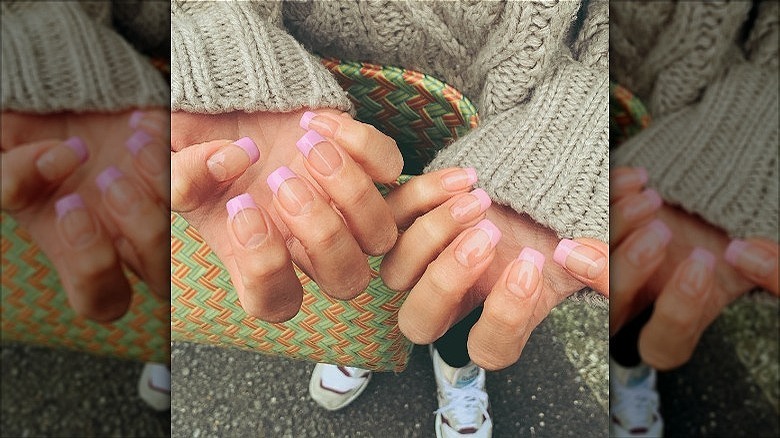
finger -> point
(497, 339)
(151, 158)
(631, 212)
(624, 181)
(757, 260)
(403, 266)
(586, 260)
(436, 301)
(154, 122)
(340, 267)
(633, 263)
(30, 172)
(376, 153)
(142, 224)
(352, 191)
(422, 194)
(90, 269)
(197, 171)
(265, 280)
(670, 336)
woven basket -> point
(423, 115)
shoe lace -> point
(463, 404)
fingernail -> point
(145, 156)
(650, 241)
(470, 205)
(751, 258)
(120, 194)
(61, 160)
(324, 125)
(459, 179)
(290, 190)
(580, 259)
(639, 206)
(74, 220)
(247, 221)
(697, 269)
(478, 243)
(135, 119)
(637, 177)
(322, 156)
(526, 272)
(230, 161)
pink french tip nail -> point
(735, 248)
(643, 177)
(278, 176)
(703, 256)
(306, 118)
(250, 147)
(562, 251)
(68, 203)
(138, 140)
(654, 197)
(107, 177)
(307, 142)
(661, 230)
(240, 202)
(492, 231)
(472, 174)
(484, 199)
(77, 145)
(534, 256)
(135, 119)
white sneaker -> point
(633, 406)
(463, 402)
(154, 386)
(334, 387)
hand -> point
(52, 167)
(677, 261)
(459, 251)
(320, 210)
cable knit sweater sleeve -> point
(714, 151)
(64, 56)
(235, 56)
(542, 147)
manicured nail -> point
(476, 246)
(526, 272)
(324, 125)
(138, 140)
(580, 259)
(636, 177)
(470, 205)
(290, 190)
(459, 179)
(119, 192)
(135, 119)
(247, 221)
(322, 156)
(74, 221)
(232, 160)
(698, 268)
(147, 160)
(751, 258)
(649, 243)
(641, 205)
(59, 161)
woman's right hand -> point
(261, 203)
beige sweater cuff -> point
(57, 58)
(548, 157)
(232, 56)
(719, 158)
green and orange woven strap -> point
(627, 115)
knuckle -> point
(256, 273)
(505, 319)
(329, 235)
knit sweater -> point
(69, 56)
(536, 72)
(709, 74)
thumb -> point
(587, 260)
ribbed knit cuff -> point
(548, 157)
(719, 158)
(56, 58)
(228, 56)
